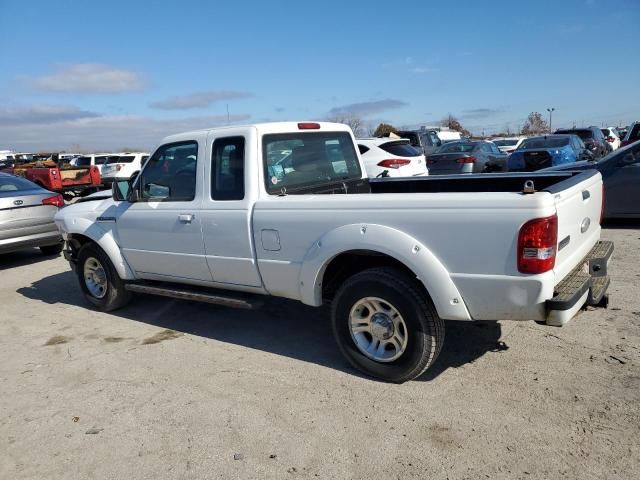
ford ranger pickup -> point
(233, 214)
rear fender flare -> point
(389, 241)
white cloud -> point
(198, 99)
(423, 70)
(89, 78)
(39, 114)
(103, 133)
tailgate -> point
(578, 208)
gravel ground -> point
(170, 389)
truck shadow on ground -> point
(23, 257)
(621, 223)
(281, 327)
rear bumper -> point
(30, 241)
(587, 284)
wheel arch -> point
(351, 248)
(104, 239)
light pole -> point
(550, 110)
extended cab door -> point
(227, 207)
(160, 234)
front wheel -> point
(386, 326)
(99, 280)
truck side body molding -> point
(377, 238)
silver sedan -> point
(26, 216)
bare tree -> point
(535, 125)
(350, 119)
(452, 123)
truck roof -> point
(264, 128)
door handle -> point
(186, 217)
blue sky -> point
(98, 75)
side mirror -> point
(120, 190)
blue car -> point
(536, 153)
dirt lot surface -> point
(170, 389)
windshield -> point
(304, 159)
(506, 142)
(456, 147)
(544, 142)
(9, 183)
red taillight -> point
(308, 126)
(118, 167)
(56, 201)
(394, 163)
(537, 242)
(610, 139)
(466, 160)
(624, 143)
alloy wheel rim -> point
(378, 329)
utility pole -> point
(550, 110)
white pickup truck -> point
(229, 215)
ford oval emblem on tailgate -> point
(584, 226)
(18, 202)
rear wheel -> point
(386, 326)
(99, 280)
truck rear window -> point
(302, 159)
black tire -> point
(50, 250)
(425, 329)
(116, 296)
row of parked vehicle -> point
(419, 153)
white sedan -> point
(391, 157)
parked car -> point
(122, 165)
(97, 159)
(466, 157)
(592, 138)
(508, 145)
(612, 137)
(620, 172)
(536, 153)
(633, 135)
(391, 157)
(214, 216)
(426, 140)
(26, 216)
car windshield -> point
(9, 183)
(304, 159)
(583, 134)
(507, 142)
(456, 147)
(544, 142)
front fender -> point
(389, 241)
(101, 236)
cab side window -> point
(170, 174)
(227, 169)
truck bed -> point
(482, 182)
